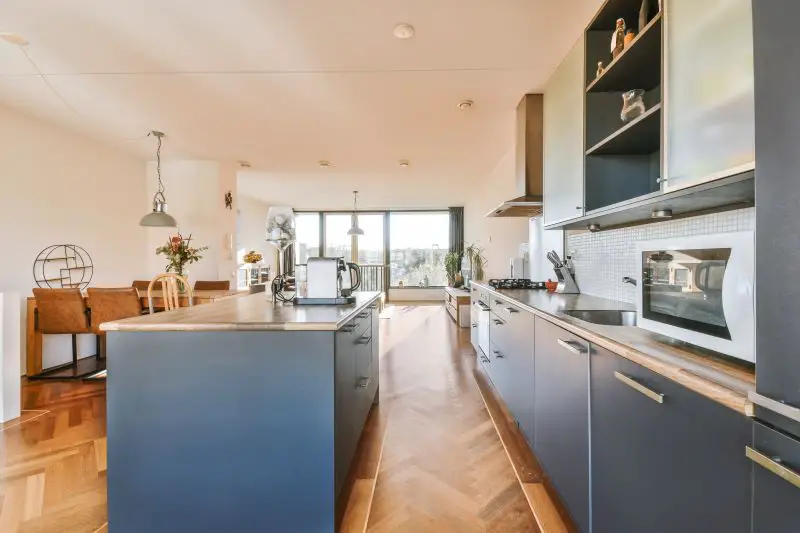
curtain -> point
(457, 230)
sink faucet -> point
(630, 280)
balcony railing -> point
(373, 277)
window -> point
(337, 242)
(418, 243)
(370, 245)
(308, 238)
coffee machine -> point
(325, 282)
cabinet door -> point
(474, 315)
(710, 118)
(563, 139)
(344, 440)
(664, 459)
(776, 501)
(521, 352)
(561, 435)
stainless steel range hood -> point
(529, 159)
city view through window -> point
(417, 243)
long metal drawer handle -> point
(653, 395)
(567, 345)
(783, 409)
(364, 339)
(498, 322)
(362, 315)
(348, 328)
(363, 383)
(474, 325)
(512, 310)
(773, 466)
(498, 354)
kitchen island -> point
(241, 415)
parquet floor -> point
(443, 467)
(53, 461)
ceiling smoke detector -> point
(324, 164)
(244, 164)
(13, 38)
(404, 31)
(463, 105)
(403, 163)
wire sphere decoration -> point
(63, 266)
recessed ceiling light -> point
(404, 31)
(244, 164)
(403, 163)
(13, 38)
(324, 164)
(463, 105)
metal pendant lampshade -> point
(159, 217)
(354, 229)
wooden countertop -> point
(716, 378)
(254, 312)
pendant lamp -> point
(354, 229)
(159, 216)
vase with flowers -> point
(179, 253)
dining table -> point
(33, 355)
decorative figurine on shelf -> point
(229, 200)
(629, 37)
(632, 105)
(600, 69)
(618, 39)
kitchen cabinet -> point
(563, 139)
(474, 315)
(710, 118)
(356, 386)
(664, 459)
(561, 409)
(776, 481)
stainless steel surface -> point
(570, 345)
(662, 213)
(566, 281)
(653, 395)
(773, 465)
(784, 409)
(604, 318)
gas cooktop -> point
(516, 284)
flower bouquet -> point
(180, 253)
(252, 257)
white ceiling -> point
(285, 83)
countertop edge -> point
(122, 326)
(708, 388)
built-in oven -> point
(700, 290)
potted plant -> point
(473, 254)
(180, 253)
(452, 265)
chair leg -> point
(98, 347)
(74, 349)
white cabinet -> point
(710, 123)
(563, 139)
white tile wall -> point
(602, 259)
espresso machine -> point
(329, 281)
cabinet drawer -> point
(499, 332)
(776, 476)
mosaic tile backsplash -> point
(602, 259)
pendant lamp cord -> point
(161, 187)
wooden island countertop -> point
(254, 312)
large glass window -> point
(418, 243)
(308, 238)
(337, 242)
(370, 245)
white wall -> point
(57, 187)
(10, 362)
(251, 230)
(195, 193)
(499, 237)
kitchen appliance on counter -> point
(516, 283)
(324, 283)
(565, 274)
(700, 290)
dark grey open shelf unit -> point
(623, 161)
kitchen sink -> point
(605, 318)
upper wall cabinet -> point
(710, 119)
(563, 139)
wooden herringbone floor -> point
(444, 468)
(53, 461)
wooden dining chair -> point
(169, 291)
(212, 285)
(141, 284)
(63, 312)
(108, 305)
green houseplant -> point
(452, 265)
(474, 255)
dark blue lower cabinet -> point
(776, 481)
(561, 410)
(664, 458)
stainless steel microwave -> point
(700, 290)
